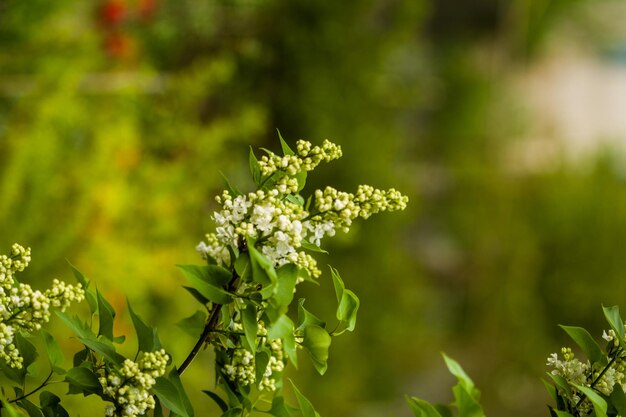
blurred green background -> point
(500, 119)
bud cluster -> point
(129, 387)
(306, 159)
(242, 366)
(23, 309)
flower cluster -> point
(582, 373)
(306, 159)
(23, 309)
(242, 366)
(129, 387)
(279, 222)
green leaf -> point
(287, 277)
(306, 318)
(106, 315)
(196, 294)
(283, 329)
(83, 380)
(337, 283)
(316, 341)
(444, 410)
(467, 402)
(198, 276)
(263, 271)
(48, 399)
(615, 321)
(618, 399)
(31, 409)
(421, 408)
(55, 354)
(231, 188)
(174, 377)
(250, 327)
(168, 394)
(255, 170)
(456, 370)
(561, 383)
(261, 360)
(86, 336)
(242, 267)
(11, 410)
(347, 310)
(194, 324)
(147, 339)
(286, 149)
(218, 400)
(551, 389)
(588, 345)
(599, 405)
(305, 244)
(280, 408)
(27, 350)
(306, 408)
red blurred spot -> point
(117, 44)
(113, 12)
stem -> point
(208, 329)
(43, 384)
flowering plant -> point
(261, 250)
(593, 387)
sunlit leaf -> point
(306, 408)
(588, 345)
(316, 342)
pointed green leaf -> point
(306, 318)
(421, 408)
(467, 402)
(255, 170)
(169, 396)
(305, 244)
(615, 321)
(250, 327)
(551, 389)
(218, 400)
(194, 324)
(231, 188)
(83, 380)
(337, 283)
(198, 277)
(456, 370)
(233, 412)
(306, 408)
(55, 354)
(31, 409)
(174, 377)
(618, 399)
(599, 405)
(242, 267)
(280, 408)
(261, 360)
(561, 383)
(84, 282)
(263, 271)
(287, 277)
(106, 315)
(147, 339)
(27, 350)
(286, 149)
(316, 341)
(347, 310)
(196, 294)
(588, 345)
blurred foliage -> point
(117, 116)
